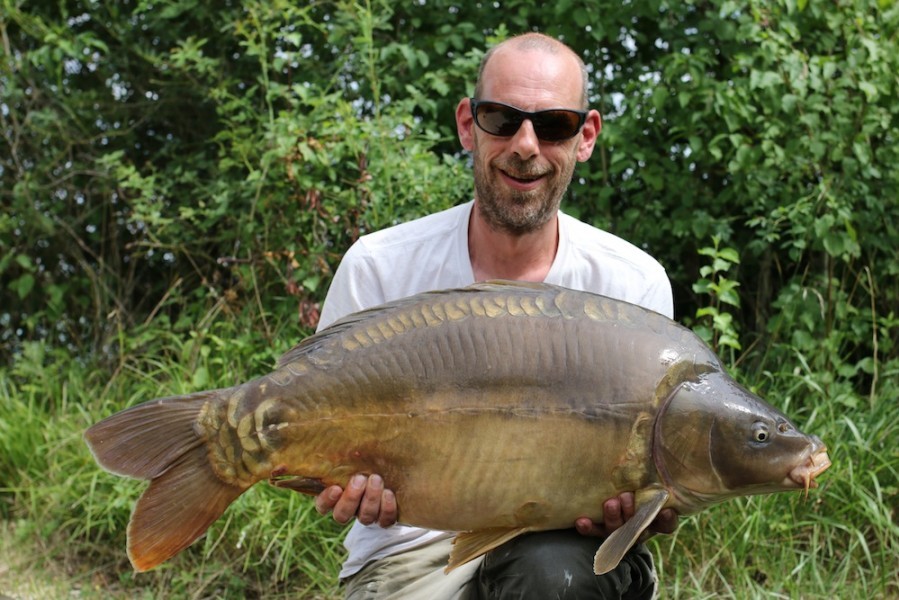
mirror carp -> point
(492, 410)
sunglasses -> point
(553, 125)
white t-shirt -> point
(431, 253)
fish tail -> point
(159, 441)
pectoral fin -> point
(303, 485)
(610, 553)
(469, 545)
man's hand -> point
(364, 498)
(616, 511)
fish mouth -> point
(804, 474)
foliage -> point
(715, 324)
(178, 181)
(238, 150)
(145, 155)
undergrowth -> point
(57, 502)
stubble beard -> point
(513, 211)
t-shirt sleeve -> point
(355, 287)
(658, 295)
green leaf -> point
(200, 378)
(788, 102)
(23, 285)
(730, 341)
(312, 282)
(707, 311)
(719, 265)
(24, 261)
(702, 286)
(730, 295)
(764, 79)
(870, 90)
(704, 332)
(730, 255)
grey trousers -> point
(543, 566)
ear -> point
(465, 124)
(589, 133)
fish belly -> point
(476, 468)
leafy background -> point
(180, 179)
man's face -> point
(520, 180)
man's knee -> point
(559, 564)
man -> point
(523, 163)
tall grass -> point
(60, 505)
(64, 519)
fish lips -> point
(816, 462)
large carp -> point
(492, 410)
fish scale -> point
(492, 410)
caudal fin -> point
(157, 441)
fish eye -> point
(760, 433)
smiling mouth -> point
(524, 179)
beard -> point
(514, 211)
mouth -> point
(522, 181)
(804, 475)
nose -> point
(525, 142)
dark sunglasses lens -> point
(549, 125)
(498, 120)
(555, 125)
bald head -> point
(532, 42)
